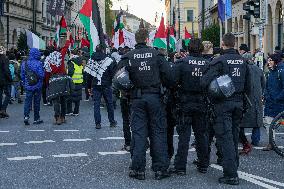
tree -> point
(212, 33)
(109, 17)
(22, 42)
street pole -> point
(203, 17)
(170, 12)
(192, 27)
(179, 19)
(249, 34)
(34, 15)
(8, 24)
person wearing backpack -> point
(32, 75)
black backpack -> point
(31, 76)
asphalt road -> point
(76, 155)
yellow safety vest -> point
(78, 74)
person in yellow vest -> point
(75, 71)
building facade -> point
(132, 22)
(271, 23)
(188, 10)
(19, 15)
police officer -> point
(189, 71)
(147, 71)
(228, 109)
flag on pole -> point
(61, 29)
(91, 19)
(118, 23)
(34, 41)
(228, 9)
(187, 37)
(151, 38)
(173, 40)
(118, 26)
(221, 10)
(160, 40)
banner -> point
(56, 7)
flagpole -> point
(75, 19)
(221, 31)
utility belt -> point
(138, 92)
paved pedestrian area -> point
(76, 155)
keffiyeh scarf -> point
(54, 59)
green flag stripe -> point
(160, 43)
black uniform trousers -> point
(125, 111)
(171, 123)
(229, 115)
(148, 119)
(198, 122)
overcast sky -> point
(145, 9)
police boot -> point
(230, 181)
(140, 175)
(177, 171)
(201, 169)
(159, 175)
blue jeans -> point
(255, 136)
(106, 92)
(32, 97)
(15, 91)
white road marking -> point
(4, 131)
(253, 178)
(35, 130)
(39, 142)
(70, 155)
(112, 138)
(113, 153)
(275, 133)
(25, 158)
(66, 130)
(259, 148)
(76, 140)
(8, 144)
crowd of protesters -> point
(59, 77)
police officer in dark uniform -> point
(147, 71)
(189, 71)
(228, 109)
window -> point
(189, 15)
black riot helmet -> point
(121, 80)
(222, 87)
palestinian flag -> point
(118, 24)
(160, 40)
(118, 27)
(61, 29)
(173, 40)
(91, 19)
(187, 37)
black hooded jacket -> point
(106, 80)
(5, 75)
